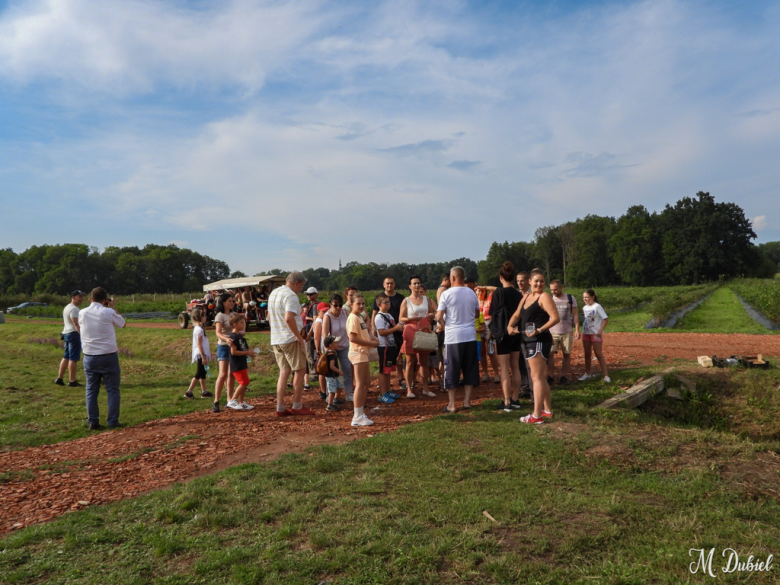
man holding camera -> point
(101, 362)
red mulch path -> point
(74, 474)
(71, 475)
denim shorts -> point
(72, 346)
(223, 353)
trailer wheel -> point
(184, 320)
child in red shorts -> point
(239, 350)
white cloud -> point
(760, 223)
(548, 120)
(129, 48)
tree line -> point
(62, 268)
(695, 240)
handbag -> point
(424, 341)
(373, 355)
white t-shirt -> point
(384, 321)
(69, 313)
(226, 328)
(594, 316)
(198, 333)
(565, 312)
(282, 301)
(460, 306)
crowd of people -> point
(517, 328)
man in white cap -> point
(71, 337)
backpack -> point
(323, 365)
(498, 319)
(389, 339)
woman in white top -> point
(416, 313)
(592, 333)
(334, 323)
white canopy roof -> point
(232, 283)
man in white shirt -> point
(458, 307)
(101, 362)
(71, 339)
(562, 332)
(284, 316)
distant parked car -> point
(25, 306)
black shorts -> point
(461, 358)
(509, 344)
(388, 358)
(531, 350)
(200, 372)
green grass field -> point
(721, 313)
(155, 374)
(607, 497)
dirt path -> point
(646, 348)
(48, 481)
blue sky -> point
(292, 134)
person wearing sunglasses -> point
(334, 323)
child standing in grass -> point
(332, 380)
(201, 354)
(385, 326)
(239, 350)
(593, 333)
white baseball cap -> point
(311, 291)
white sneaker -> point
(607, 379)
(233, 404)
(585, 377)
(245, 406)
(362, 421)
(349, 398)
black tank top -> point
(535, 314)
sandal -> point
(446, 410)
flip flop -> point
(446, 410)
